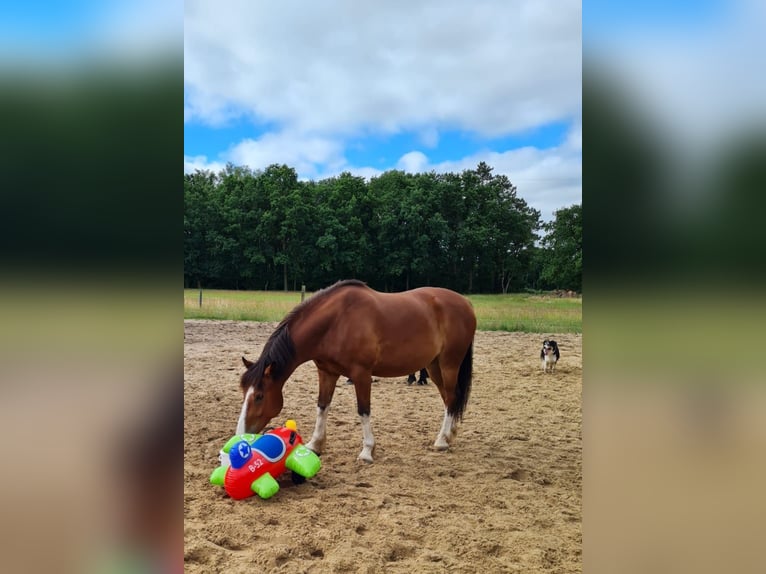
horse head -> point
(262, 396)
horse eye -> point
(258, 398)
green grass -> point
(528, 313)
(513, 312)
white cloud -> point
(307, 154)
(574, 137)
(303, 152)
(413, 162)
(193, 163)
(339, 67)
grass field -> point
(513, 312)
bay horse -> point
(352, 330)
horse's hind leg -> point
(326, 390)
(449, 424)
(362, 386)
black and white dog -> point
(422, 379)
(549, 355)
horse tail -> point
(463, 388)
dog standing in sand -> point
(549, 356)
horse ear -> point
(267, 371)
(247, 363)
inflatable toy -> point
(251, 463)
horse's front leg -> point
(363, 386)
(327, 383)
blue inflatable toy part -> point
(239, 454)
(271, 447)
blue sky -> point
(435, 85)
(58, 21)
(48, 31)
(607, 16)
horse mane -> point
(279, 350)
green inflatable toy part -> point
(303, 461)
(265, 486)
(218, 476)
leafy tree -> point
(562, 263)
(395, 225)
(282, 222)
(200, 235)
(468, 231)
(236, 199)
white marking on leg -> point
(243, 412)
(317, 441)
(453, 430)
(368, 440)
(442, 440)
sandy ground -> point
(505, 498)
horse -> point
(352, 330)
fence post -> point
(199, 284)
(303, 292)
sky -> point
(330, 86)
(693, 68)
(334, 86)
(45, 31)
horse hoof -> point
(441, 445)
(366, 458)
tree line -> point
(471, 232)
